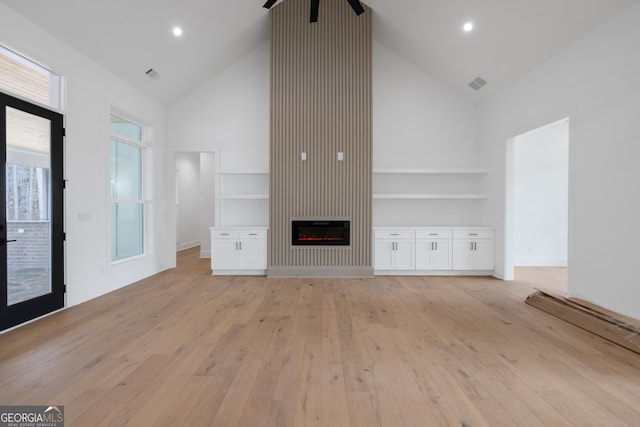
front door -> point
(31, 222)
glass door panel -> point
(27, 198)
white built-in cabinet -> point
(395, 249)
(241, 250)
(433, 250)
(473, 250)
(436, 250)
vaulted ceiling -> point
(510, 37)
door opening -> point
(196, 204)
(537, 206)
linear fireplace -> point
(320, 233)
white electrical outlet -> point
(340, 156)
(303, 156)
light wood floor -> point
(187, 348)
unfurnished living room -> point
(320, 212)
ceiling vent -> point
(477, 83)
(152, 74)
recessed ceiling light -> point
(177, 31)
(467, 27)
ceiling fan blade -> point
(315, 6)
(269, 3)
(356, 6)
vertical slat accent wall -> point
(320, 104)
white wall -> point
(541, 194)
(90, 91)
(418, 122)
(594, 82)
(229, 113)
(188, 200)
(207, 217)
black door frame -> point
(27, 310)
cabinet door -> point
(441, 255)
(404, 255)
(384, 254)
(433, 254)
(253, 254)
(424, 249)
(224, 254)
(482, 257)
(462, 253)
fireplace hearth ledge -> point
(319, 272)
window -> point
(126, 188)
(23, 77)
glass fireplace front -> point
(320, 233)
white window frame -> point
(143, 145)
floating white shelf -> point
(244, 197)
(244, 172)
(430, 171)
(430, 196)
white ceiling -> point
(130, 36)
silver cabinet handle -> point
(436, 243)
(471, 243)
(473, 234)
(394, 234)
(433, 234)
(224, 234)
(236, 246)
(240, 244)
(253, 234)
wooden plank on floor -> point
(586, 320)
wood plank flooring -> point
(188, 348)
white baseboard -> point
(239, 273)
(205, 254)
(188, 245)
(433, 273)
(540, 262)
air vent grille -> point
(477, 83)
(152, 74)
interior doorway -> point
(196, 205)
(537, 226)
